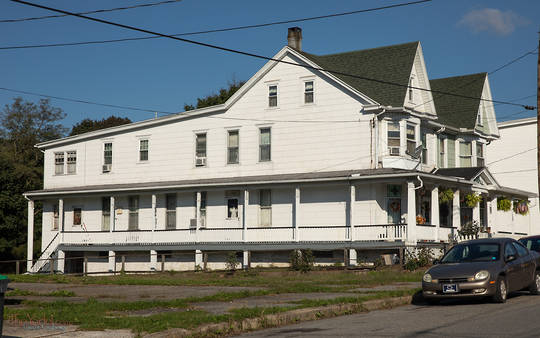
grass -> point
(56, 293)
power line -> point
(235, 51)
(218, 29)
(90, 12)
(514, 171)
(511, 156)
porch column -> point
(112, 261)
(112, 218)
(435, 211)
(61, 214)
(153, 260)
(352, 200)
(295, 210)
(198, 219)
(154, 213)
(352, 257)
(246, 261)
(61, 262)
(476, 214)
(411, 213)
(30, 245)
(245, 216)
(456, 210)
(198, 259)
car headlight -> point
(481, 275)
(427, 278)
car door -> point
(527, 264)
(512, 268)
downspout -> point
(421, 183)
(375, 123)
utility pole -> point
(538, 116)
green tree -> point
(219, 98)
(88, 125)
(22, 125)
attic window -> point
(411, 96)
(479, 116)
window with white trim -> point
(77, 216)
(423, 136)
(133, 205)
(171, 211)
(143, 150)
(200, 150)
(465, 154)
(71, 162)
(265, 139)
(107, 157)
(480, 154)
(393, 137)
(59, 163)
(440, 155)
(56, 217)
(265, 202)
(202, 209)
(105, 213)
(272, 96)
(411, 93)
(411, 138)
(233, 146)
(308, 92)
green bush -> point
(232, 261)
(302, 260)
(421, 258)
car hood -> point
(460, 270)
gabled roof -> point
(457, 111)
(390, 63)
(468, 173)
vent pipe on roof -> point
(294, 38)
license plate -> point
(450, 288)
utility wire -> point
(90, 12)
(511, 156)
(218, 29)
(235, 51)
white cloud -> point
(492, 20)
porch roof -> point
(328, 176)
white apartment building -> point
(301, 157)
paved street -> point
(519, 317)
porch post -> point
(30, 245)
(112, 218)
(60, 264)
(246, 260)
(352, 200)
(198, 216)
(456, 211)
(245, 216)
(112, 261)
(296, 209)
(198, 259)
(352, 257)
(476, 214)
(153, 260)
(154, 213)
(411, 214)
(435, 211)
(61, 214)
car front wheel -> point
(502, 290)
(534, 288)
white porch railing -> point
(445, 232)
(426, 232)
(270, 234)
(209, 235)
(384, 232)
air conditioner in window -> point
(107, 168)
(193, 223)
(200, 161)
(394, 151)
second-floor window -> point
(71, 162)
(440, 156)
(143, 150)
(393, 138)
(308, 92)
(265, 145)
(133, 220)
(479, 155)
(59, 163)
(171, 211)
(107, 157)
(424, 147)
(272, 96)
(233, 147)
(200, 150)
(465, 154)
(411, 138)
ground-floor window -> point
(105, 213)
(445, 215)
(265, 201)
(56, 217)
(133, 221)
(171, 211)
(77, 216)
(466, 212)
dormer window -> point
(411, 138)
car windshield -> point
(472, 252)
(531, 243)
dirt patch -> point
(145, 312)
(390, 287)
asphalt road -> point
(519, 317)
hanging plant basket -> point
(472, 199)
(521, 207)
(446, 196)
(504, 203)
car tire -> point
(501, 290)
(431, 301)
(534, 288)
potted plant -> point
(504, 203)
(446, 195)
(472, 199)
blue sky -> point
(458, 37)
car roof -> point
(531, 237)
(498, 240)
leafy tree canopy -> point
(87, 125)
(214, 99)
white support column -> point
(198, 259)
(61, 262)
(456, 211)
(476, 214)
(198, 218)
(352, 202)
(154, 213)
(153, 260)
(296, 212)
(245, 216)
(112, 217)
(245, 260)
(352, 257)
(61, 214)
(30, 245)
(435, 211)
(411, 214)
(112, 261)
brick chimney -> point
(294, 38)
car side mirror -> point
(436, 261)
(510, 258)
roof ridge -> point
(363, 50)
(459, 76)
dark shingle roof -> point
(391, 63)
(467, 173)
(456, 111)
